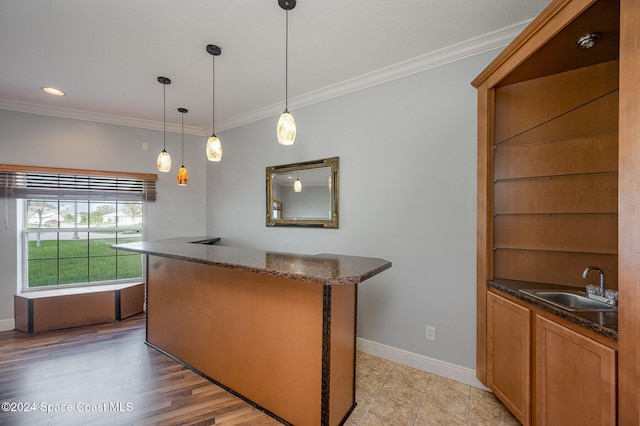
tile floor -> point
(392, 394)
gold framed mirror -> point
(303, 194)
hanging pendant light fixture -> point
(183, 175)
(164, 159)
(213, 147)
(286, 130)
(297, 185)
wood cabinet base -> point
(509, 355)
(575, 378)
(285, 345)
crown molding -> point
(494, 40)
(75, 114)
(485, 43)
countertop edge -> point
(176, 243)
(584, 319)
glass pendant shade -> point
(297, 186)
(164, 161)
(214, 149)
(286, 130)
(183, 176)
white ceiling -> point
(106, 55)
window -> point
(72, 217)
(69, 242)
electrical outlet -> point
(431, 334)
(145, 146)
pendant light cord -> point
(286, 62)
(164, 117)
(213, 94)
(182, 139)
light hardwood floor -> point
(106, 375)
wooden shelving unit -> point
(559, 166)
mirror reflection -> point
(303, 194)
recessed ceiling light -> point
(589, 40)
(53, 91)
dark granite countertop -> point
(328, 269)
(604, 323)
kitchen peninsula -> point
(277, 329)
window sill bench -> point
(48, 310)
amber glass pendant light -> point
(286, 130)
(213, 148)
(183, 175)
(164, 159)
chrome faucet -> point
(585, 274)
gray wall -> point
(313, 202)
(32, 139)
(407, 153)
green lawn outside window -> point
(69, 243)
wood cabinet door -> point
(509, 355)
(575, 378)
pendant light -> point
(183, 175)
(286, 130)
(297, 185)
(213, 147)
(164, 159)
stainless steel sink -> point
(570, 300)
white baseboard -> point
(7, 324)
(421, 362)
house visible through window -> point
(69, 242)
(71, 218)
